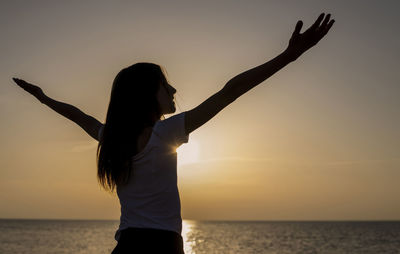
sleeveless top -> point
(151, 197)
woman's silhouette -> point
(136, 152)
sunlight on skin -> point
(188, 153)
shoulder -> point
(172, 121)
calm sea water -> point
(201, 237)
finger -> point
(318, 21)
(325, 21)
(325, 31)
(298, 27)
(20, 82)
(16, 80)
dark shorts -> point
(149, 241)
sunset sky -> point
(319, 140)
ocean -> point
(201, 237)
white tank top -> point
(151, 197)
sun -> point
(188, 153)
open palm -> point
(301, 42)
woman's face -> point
(165, 96)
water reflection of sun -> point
(188, 153)
(188, 240)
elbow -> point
(230, 92)
(228, 95)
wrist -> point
(41, 97)
(290, 55)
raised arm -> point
(88, 123)
(240, 84)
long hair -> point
(133, 107)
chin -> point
(169, 109)
(173, 109)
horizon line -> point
(223, 220)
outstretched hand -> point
(300, 43)
(30, 88)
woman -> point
(136, 152)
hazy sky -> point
(318, 140)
